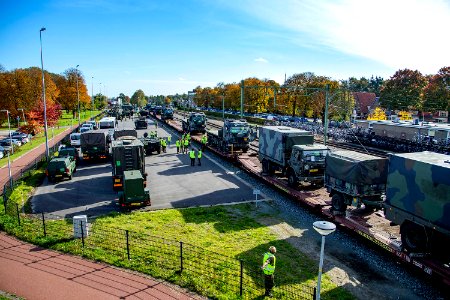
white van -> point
(75, 139)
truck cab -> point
(307, 162)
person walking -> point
(204, 140)
(178, 144)
(192, 156)
(163, 144)
(169, 139)
(199, 157)
(268, 268)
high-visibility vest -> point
(169, 138)
(269, 269)
(192, 154)
(186, 142)
(199, 154)
(177, 143)
(163, 141)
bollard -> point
(181, 257)
(242, 277)
(128, 244)
(43, 224)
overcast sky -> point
(167, 47)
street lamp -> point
(92, 97)
(12, 149)
(78, 97)
(43, 97)
(324, 228)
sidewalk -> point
(35, 273)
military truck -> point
(157, 110)
(127, 110)
(127, 155)
(418, 199)
(233, 136)
(167, 114)
(125, 132)
(292, 152)
(354, 178)
(95, 144)
(133, 189)
(140, 123)
(195, 123)
(143, 112)
(60, 167)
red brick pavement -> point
(36, 273)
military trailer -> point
(157, 110)
(354, 178)
(292, 152)
(133, 189)
(233, 136)
(127, 155)
(195, 123)
(95, 144)
(140, 123)
(418, 199)
(60, 167)
(167, 114)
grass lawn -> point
(233, 232)
(66, 118)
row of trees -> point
(304, 94)
(21, 89)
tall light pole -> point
(324, 228)
(92, 96)
(78, 97)
(12, 149)
(43, 97)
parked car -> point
(75, 139)
(14, 141)
(1, 154)
(88, 125)
(85, 129)
(23, 137)
(5, 147)
(93, 123)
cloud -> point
(261, 60)
(181, 79)
(399, 34)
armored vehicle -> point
(127, 155)
(196, 122)
(127, 110)
(167, 114)
(143, 112)
(133, 189)
(151, 144)
(353, 178)
(292, 152)
(140, 123)
(157, 110)
(233, 136)
(418, 199)
(60, 167)
(95, 144)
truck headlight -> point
(306, 167)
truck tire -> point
(292, 179)
(414, 237)
(70, 177)
(245, 149)
(338, 203)
(265, 166)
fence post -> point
(242, 277)
(82, 233)
(35, 163)
(314, 293)
(43, 223)
(128, 245)
(181, 257)
(18, 213)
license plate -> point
(116, 180)
(314, 170)
(58, 175)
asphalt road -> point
(173, 183)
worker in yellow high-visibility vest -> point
(268, 268)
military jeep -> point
(61, 167)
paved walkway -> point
(35, 273)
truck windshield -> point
(315, 155)
(238, 128)
(198, 119)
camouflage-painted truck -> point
(353, 178)
(292, 152)
(418, 199)
(233, 136)
(195, 123)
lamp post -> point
(92, 96)
(78, 97)
(43, 97)
(12, 149)
(324, 228)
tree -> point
(436, 94)
(403, 91)
(100, 101)
(138, 98)
(67, 84)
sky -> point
(168, 47)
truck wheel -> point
(414, 237)
(292, 179)
(245, 149)
(337, 201)
(70, 177)
(265, 166)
